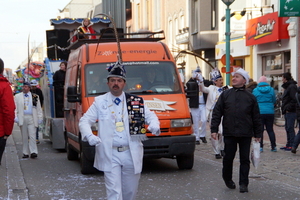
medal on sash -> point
(119, 126)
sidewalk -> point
(11, 178)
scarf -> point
(136, 117)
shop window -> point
(273, 62)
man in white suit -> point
(121, 128)
(28, 116)
(213, 92)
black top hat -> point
(26, 83)
(117, 70)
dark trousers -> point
(290, 119)
(2, 147)
(297, 138)
(267, 121)
(230, 149)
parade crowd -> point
(237, 116)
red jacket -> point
(7, 107)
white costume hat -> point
(243, 73)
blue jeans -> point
(289, 127)
(267, 121)
(297, 138)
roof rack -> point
(105, 37)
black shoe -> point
(222, 153)
(203, 139)
(243, 188)
(33, 155)
(230, 184)
(218, 156)
(25, 156)
(197, 142)
(293, 150)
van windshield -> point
(141, 78)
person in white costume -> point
(213, 92)
(197, 108)
(121, 130)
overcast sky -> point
(22, 19)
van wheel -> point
(185, 161)
(71, 153)
(86, 165)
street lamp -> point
(227, 33)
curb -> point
(16, 187)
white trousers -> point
(218, 144)
(28, 131)
(121, 182)
(199, 121)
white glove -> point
(93, 139)
(154, 129)
(16, 120)
(199, 77)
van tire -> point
(71, 153)
(185, 161)
(86, 165)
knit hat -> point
(243, 73)
(262, 79)
(117, 70)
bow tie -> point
(26, 95)
(220, 89)
(117, 101)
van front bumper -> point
(169, 147)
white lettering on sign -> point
(264, 29)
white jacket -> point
(101, 110)
(37, 112)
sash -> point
(136, 117)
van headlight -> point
(176, 123)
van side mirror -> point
(72, 95)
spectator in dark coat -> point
(58, 83)
(297, 138)
(251, 85)
(241, 122)
(289, 108)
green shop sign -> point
(289, 8)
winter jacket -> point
(240, 112)
(265, 97)
(59, 78)
(288, 97)
(250, 87)
(7, 107)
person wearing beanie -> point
(266, 99)
(288, 108)
(7, 110)
(241, 122)
(121, 129)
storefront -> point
(271, 47)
